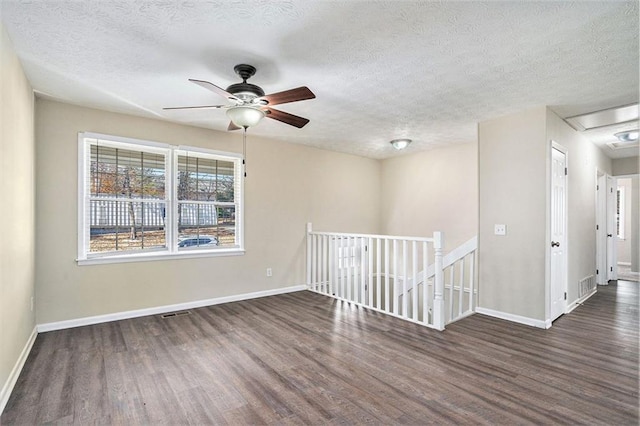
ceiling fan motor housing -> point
(249, 90)
(245, 88)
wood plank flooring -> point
(303, 358)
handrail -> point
(382, 237)
(459, 252)
(449, 259)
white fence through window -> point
(110, 213)
(407, 277)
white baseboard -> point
(581, 300)
(15, 372)
(79, 322)
(514, 318)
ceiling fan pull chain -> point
(244, 151)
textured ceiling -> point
(380, 70)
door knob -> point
(555, 244)
(609, 235)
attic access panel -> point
(603, 118)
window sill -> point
(147, 257)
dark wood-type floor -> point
(305, 358)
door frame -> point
(612, 241)
(601, 227)
(554, 145)
(629, 231)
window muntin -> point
(142, 200)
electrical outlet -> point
(500, 229)
(269, 272)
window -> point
(620, 212)
(142, 200)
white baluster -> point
(363, 270)
(395, 276)
(425, 288)
(343, 269)
(314, 263)
(438, 299)
(309, 257)
(461, 287)
(378, 275)
(349, 268)
(452, 284)
(472, 275)
(414, 288)
(330, 262)
(386, 274)
(404, 279)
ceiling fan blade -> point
(285, 117)
(293, 95)
(198, 107)
(233, 127)
(215, 89)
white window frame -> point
(171, 166)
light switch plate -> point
(499, 229)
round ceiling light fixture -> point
(627, 136)
(400, 143)
(245, 116)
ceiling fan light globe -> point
(245, 116)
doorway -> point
(626, 227)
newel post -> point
(438, 297)
(309, 230)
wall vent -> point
(587, 285)
(175, 314)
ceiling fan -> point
(249, 104)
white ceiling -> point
(425, 70)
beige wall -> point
(287, 186)
(432, 191)
(514, 183)
(17, 158)
(582, 159)
(626, 166)
(512, 175)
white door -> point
(558, 234)
(612, 232)
(601, 230)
